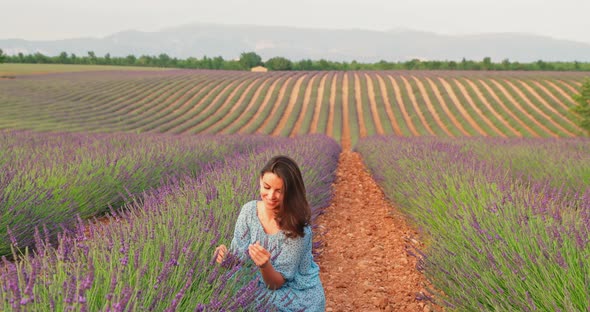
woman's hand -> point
(259, 255)
(221, 251)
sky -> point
(63, 19)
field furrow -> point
(274, 115)
(345, 105)
(200, 109)
(416, 106)
(373, 103)
(460, 107)
(231, 111)
(491, 108)
(305, 110)
(290, 106)
(332, 105)
(565, 97)
(558, 112)
(537, 110)
(361, 113)
(346, 140)
(317, 109)
(513, 102)
(430, 107)
(402, 106)
(479, 112)
(252, 124)
(388, 106)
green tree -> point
(583, 107)
(487, 63)
(2, 56)
(130, 59)
(63, 58)
(250, 59)
(107, 59)
(279, 63)
(163, 60)
(92, 57)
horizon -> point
(68, 19)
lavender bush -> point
(47, 179)
(157, 255)
(500, 237)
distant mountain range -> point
(229, 41)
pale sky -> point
(61, 19)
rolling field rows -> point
(344, 105)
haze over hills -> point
(229, 41)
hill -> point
(229, 41)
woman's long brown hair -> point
(294, 212)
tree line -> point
(248, 60)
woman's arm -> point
(261, 257)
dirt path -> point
(364, 265)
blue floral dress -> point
(291, 257)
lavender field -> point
(157, 251)
(507, 222)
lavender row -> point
(157, 255)
(500, 238)
(47, 179)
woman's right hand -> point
(221, 251)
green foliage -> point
(250, 59)
(279, 63)
(583, 107)
(2, 56)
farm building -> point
(259, 69)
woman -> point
(275, 233)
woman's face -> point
(271, 190)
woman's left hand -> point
(259, 255)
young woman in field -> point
(275, 233)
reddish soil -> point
(364, 265)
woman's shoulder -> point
(249, 206)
